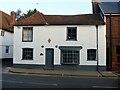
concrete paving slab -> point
(56, 72)
(108, 74)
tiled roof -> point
(110, 7)
(5, 22)
(35, 19)
(84, 19)
(40, 19)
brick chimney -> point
(96, 1)
(95, 5)
(13, 16)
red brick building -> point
(111, 11)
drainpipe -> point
(97, 67)
(110, 47)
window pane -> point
(118, 50)
(27, 53)
(118, 53)
(91, 54)
(7, 49)
(118, 58)
(27, 34)
(69, 57)
(2, 33)
(71, 33)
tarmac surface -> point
(63, 72)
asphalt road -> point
(36, 81)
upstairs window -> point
(27, 35)
(118, 54)
(7, 49)
(72, 33)
(2, 33)
(118, 50)
(91, 54)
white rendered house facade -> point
(54, 46)
(6, 44)
(6, 35)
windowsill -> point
(71, 40)
(27, 41)
(6, 53)
(27, 59)
(69, 64)
(91, 60)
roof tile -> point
(40, 19)
(35, 19)
(5, 21)
(84, 19)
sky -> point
(63, 7)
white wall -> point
(6, 40)
(86, 37)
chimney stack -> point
(95, 5)
(97, 1)
(13, 16)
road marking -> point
(29, 83)
(103, 87)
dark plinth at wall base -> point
(80, 67)
(28, 66)
(62, 67)
(5, 59)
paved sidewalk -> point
(63, 72)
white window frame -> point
(7, 49)
(28, 52)
(2, 33)
(91, 54)
(28, 35)
(71, 36)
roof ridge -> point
(39, 18)
(70, 15)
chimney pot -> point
(96, 1)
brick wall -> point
(115, 27)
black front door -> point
(49, 58)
